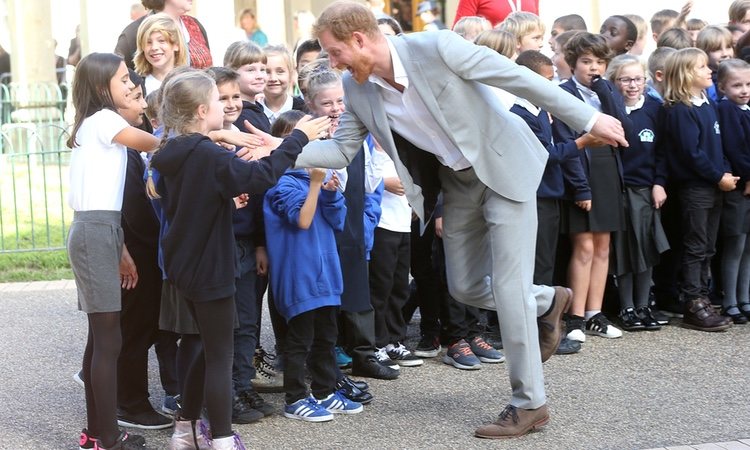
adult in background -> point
(250, 25)
(494, 10)
(426, 92)
(196, 40)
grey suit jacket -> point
(450, 75)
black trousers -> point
(431, 299)
(389, 284)
(701, 213)
(310, 341)
(547, 237)
(666, 274)
(139, 322)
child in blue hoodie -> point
(302, 213)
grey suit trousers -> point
(490, 245)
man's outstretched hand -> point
(609, 130)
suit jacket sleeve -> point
(482, 64)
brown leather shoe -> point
(551, 324)
(514, 422)
(700, 315)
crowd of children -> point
(178, 248)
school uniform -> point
(735, 133)
(306, 279)
(696, 165)
(601, 166)
(291, 103)
(254, 113)
(637, 248)
(551, 190)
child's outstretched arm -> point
(307, 212)
(137, 139)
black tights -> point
(100, 376)
(210, 375)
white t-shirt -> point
(396, 215)
(98, 165)
(152, 83)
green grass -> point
(34, 266)
(33, 209)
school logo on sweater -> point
(716, 128)
(646, 135)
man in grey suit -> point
(425, 98)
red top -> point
(494, 10)
(200, 55)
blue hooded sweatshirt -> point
(304, 267)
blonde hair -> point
(620, 62)
(181, 96)
(713, 37)
(469, 27)
(680, 74)
(738, 9)
(662, 20)
(159, 23)
(695, 24)
(640, 24)
(243, 52)
(280, 50)
(521, 23)
(342, 18)
(319, 80)
(501, 41)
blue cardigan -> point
(735, 137)
(693, 145)
(305, 271)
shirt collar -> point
(744, 107)
(584, 90)
(399, 72)
(525, 104)
(699, 101)
(638, 105)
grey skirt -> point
(638, 247)
(735, 214)
(94, 249)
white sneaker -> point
(384, 360)
(599, 325)
(189, 432)
(577, 335)
(575, 326)
(228, 443)
(402, 356)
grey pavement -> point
(669, 388)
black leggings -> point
(210, 375)
(100, 376)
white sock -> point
(589, 314)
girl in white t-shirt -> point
(161, 48)
(99, 141)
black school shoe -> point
(347, 387)
(147, 420)
(568, 347)
(370, 368)
(650, 322)
(256, 402)
(630, 320)
(738, 318)
(242, 413)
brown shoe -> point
(700, 315)
(514, 422)
(551, 324)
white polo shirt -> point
(98, 165)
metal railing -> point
(34, 163)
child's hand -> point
(241, 200)
(261, 261)
(314, 128)
(746, 193)
(728, 182)
(659, 195)
(266, 140)
(333, 183)
(252, 154)
(317, 175)
(584, 205)
(128, 271)
(589, 140)
(439, 227)
(394, 186)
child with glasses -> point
(636, 249)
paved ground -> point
(647, 390)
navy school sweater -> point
(552, 184)
(693, 145)
(735, 138)
(253, 113)
(644, 162)
(197, 183)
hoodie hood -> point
(169, 159)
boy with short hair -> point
(527, 28)
(661, 21)
(655, 68)
(562, 24)
(739, 14)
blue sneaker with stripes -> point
(307, 409)
(336, 403)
